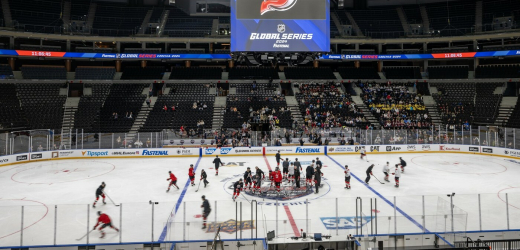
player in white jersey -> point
(362, 153)
(386, 170)
(397, 175)
(291, 172)
(347, 177)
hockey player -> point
(285, 166)
(203, 177)
(173, 181)
(369, 173)
(309, 173)
(397, 174)
(237, 187)
(277, 177)
(99, 192)
(297, 175)
(362, 152)
(317, 178)
(248, 178)
(291, 173)
(386, 170)
(298, 164)
(258, 179)
(347, 177)
(403, 164)
(271, 177)
(206, 209)
(104, 221)
(278, 158)
(217, 163)
(191, 174)
(318, 163)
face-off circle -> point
(61, 172)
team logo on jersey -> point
(276, 5)
(230, 226)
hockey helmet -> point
(203, 197)
(99, 212)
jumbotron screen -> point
(280, 25)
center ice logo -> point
(344, 223)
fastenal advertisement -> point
(280, 25)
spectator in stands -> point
(173, 107)
(40, 148)
(148, 143)
(148, 101)
(138, 144)
(150, 92)
(126, 115)
(165, 108)
(182, 130)
(131, 116)
(118, 140)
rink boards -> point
(255, 151)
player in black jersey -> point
(217, 163)
(278, 158)
(258, 179)
(99, 192)
(237, 187)
(403, 164)
(203, 177)
(248, 178)
(206, 209)
(285, 166)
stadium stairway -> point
(431, 107)
(91, 14)
(292, 104)
(366, 111)
(66, 13)
(403, 19)
(8, 20)
(507, 105)
(218, 111)
(354, 24)
(144, 24)
(425, 19)
(141, 117)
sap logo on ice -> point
(426, 147)
(344, 222)
(155, 152)
(210, 151)
(225, 151)
(307, 150)
(92, 154)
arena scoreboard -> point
(280, 25)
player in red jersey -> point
(271, 174)
(277, 177)
(173, 181)
(191, 174)
(104, 221)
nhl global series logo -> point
(281, 28)
(276, 5)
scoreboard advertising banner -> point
(280, 25)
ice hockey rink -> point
(57, 199)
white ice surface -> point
(70, 186)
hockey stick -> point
(111, 200)
(198, 187)
(378, 179)
(85, 235)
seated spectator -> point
(165, 108)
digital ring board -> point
(280, 25)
